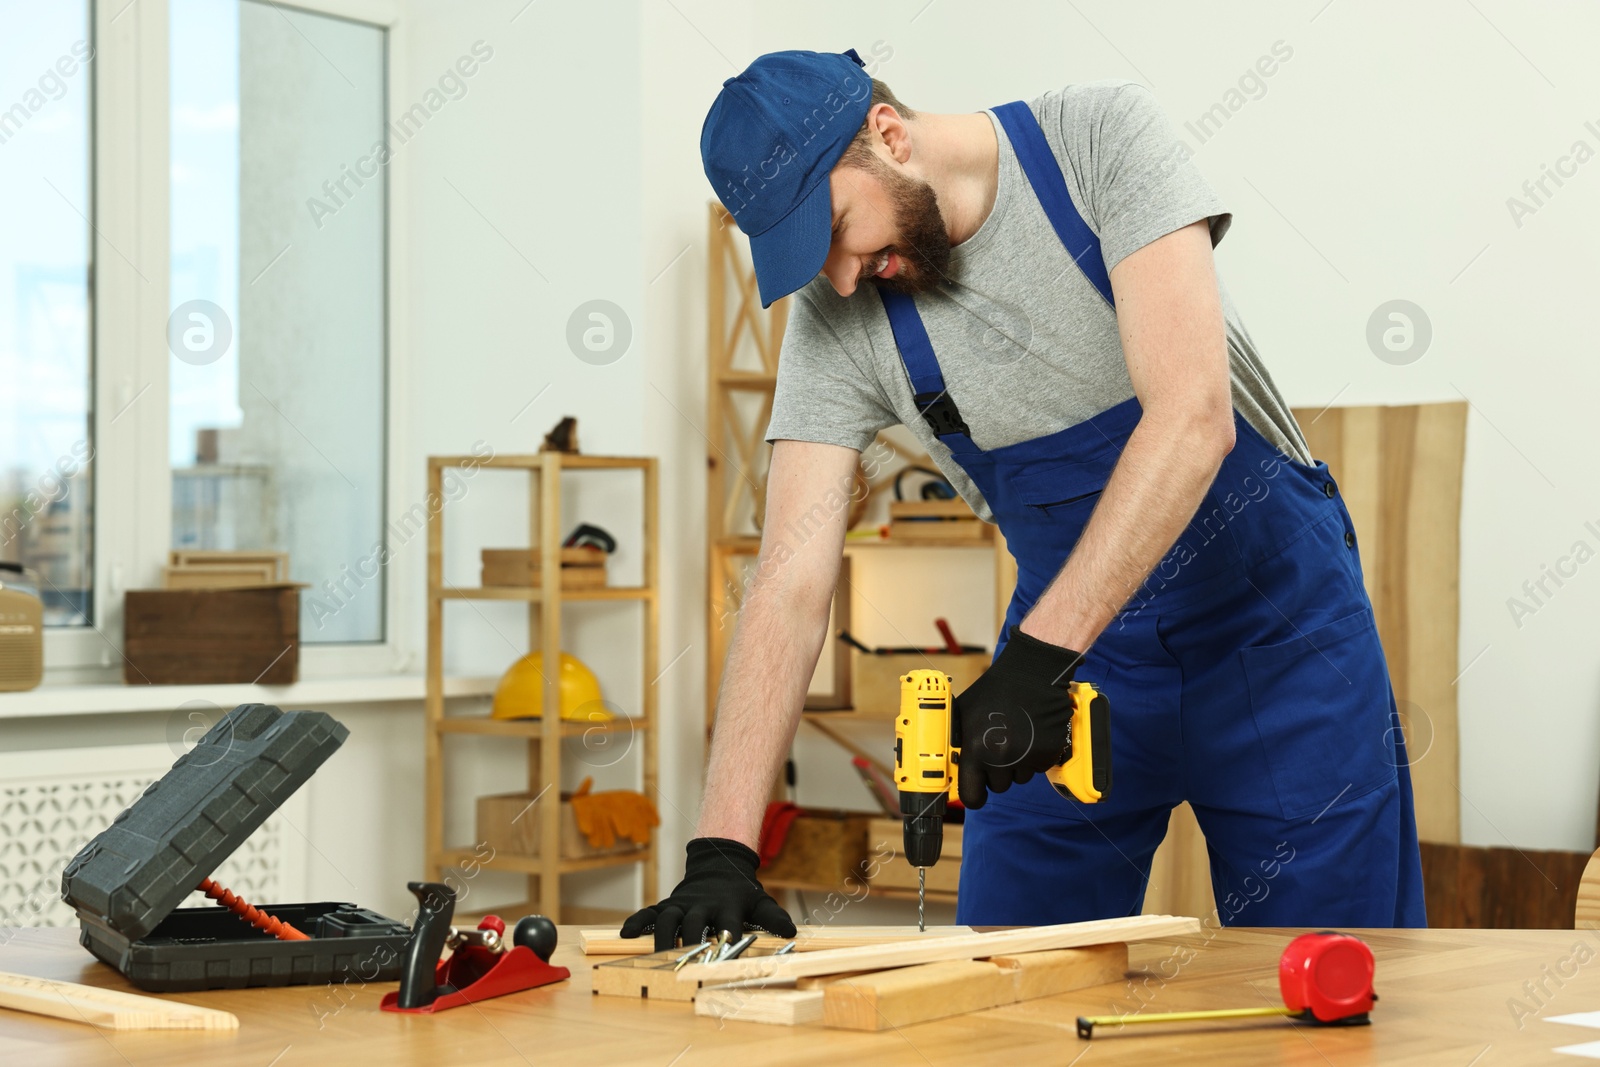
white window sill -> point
(52, 700)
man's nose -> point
(842, 272)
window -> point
(277, 399)
(46, 383)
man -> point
(1031, 291)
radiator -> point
(52, 801)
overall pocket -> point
(1321, 704)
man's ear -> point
(891, 129)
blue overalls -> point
(1245, 676)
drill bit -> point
(922, 898)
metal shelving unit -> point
(544, 735)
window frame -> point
(132, 478)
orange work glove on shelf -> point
(604, 817)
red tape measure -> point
(1325, 979)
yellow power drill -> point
(926, 761)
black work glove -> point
(719, 892)
(1015, 720)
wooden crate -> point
(581, 568)
(933, 521)
(896, 873)
(823, 848)
(509, 822)
(875, 680)
(211, 636)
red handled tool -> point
(1325, 978)
(480, 965)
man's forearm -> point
(770, 663)
(1154, 491)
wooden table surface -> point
(1446, 998)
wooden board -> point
(810, 939)
(754, 1004)
(654, 976)
(1399, 472)
(108, 1009)
(1180, 874)
(937, 531)
(198, 559)
(890, 999)
(581, 568)
(959, 947)
(1586, 913)
(219, 576)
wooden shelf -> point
(536, 460)
(532, 595)
(889, 542)
(534, 865)
(534, 728)
(545, 471)
(846, 715)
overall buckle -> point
(939, 409)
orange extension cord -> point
(251, 914)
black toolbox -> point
(126, 882)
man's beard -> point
(924, 246)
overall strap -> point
(1044, 175)
(922, 366)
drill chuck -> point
(923, 814)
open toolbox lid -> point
(158, 851)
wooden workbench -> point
(1444, 999)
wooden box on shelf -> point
(581, 568)
(875, 679)
(823, 848)
(211, 636)
(896, 873)
(935, 522)
(509, 822)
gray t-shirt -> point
(1027, 345)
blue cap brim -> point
(792, 251)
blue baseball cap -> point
(768, 144)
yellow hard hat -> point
(520, 694)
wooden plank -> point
(905, 995)
(649, 876)
(1586, 915)
(889, 999)
(960, 947)
(780, 1007)
(108, 1009)
(545, 770)
(1399, 472)
(810, 939)
(646, 977)
(1180, 874)
(1044, 974)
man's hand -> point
(1015, 720)
(719, 892)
